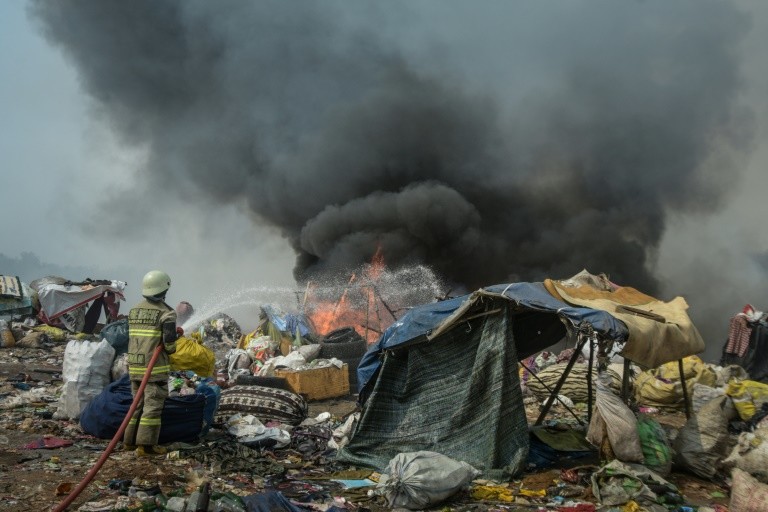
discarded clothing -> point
(48, 443)
(617, 483)
(232, 456)
(739, 332)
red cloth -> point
(569, 475)
(48, 443)
(739, 333)
(112, 306)
(581, 507)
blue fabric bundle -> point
(182, 418)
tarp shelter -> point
(659, 332)
(59, 299)
(444, 376)
(17, 300)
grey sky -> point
(60, 163)
(61, 160)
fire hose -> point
(118, 435)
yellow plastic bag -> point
(245, 340)
(533, 493)
(54, 333)
(747, 396)
(492, 492)
(662, 387)
(694, 369)
(191, 355)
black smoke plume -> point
(320, 117)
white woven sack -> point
(86, 372)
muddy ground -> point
(40, 479)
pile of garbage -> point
(645, 436)
(240, 438)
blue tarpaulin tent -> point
(543, 327)
(444, 376)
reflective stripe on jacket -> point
(145, 332)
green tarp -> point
(457, 394)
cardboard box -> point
(318, 383)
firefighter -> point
(152, 322)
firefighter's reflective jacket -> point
(150, 323)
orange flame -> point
(377, 265)
(364, 315)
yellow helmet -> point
(154, 283)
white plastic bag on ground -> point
(703, 394)
(248, 429)
(342, 433)
(614, 420)
(237, 359)
(294, 361)
(86, 372)
(417, 480)
(751, 454)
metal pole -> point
(550, 400)
(685, 388)
(589, 379)
(625, 381)
(550, 390)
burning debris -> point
(372, 298)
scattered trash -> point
(7, 339)
(747, 493)
(657, 453)
(704, 441)
(48, 443)
(613, 429)
(270, 449)
(617, 483)
(750, 454)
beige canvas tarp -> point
(659, 331)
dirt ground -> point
(40, 479)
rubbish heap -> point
(257, 420)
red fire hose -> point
(118, 435)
